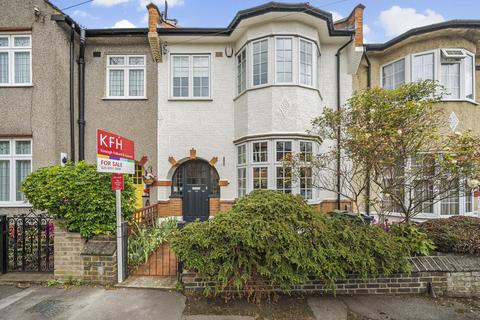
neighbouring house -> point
(233, 101)
(447, 52)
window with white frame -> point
(306, 151)
(306, 62)
(260, 62)
(450, 79)
(241, 182)
(284, 179)
(284, 59)
(423, 67)
(126, 77)
(15, 165)
(242, 71)
(260, 151)
(15, 60)
(306, 185)
(242, 154)
(283, 150)
(260, 178)
(190, 76)
(393, 74)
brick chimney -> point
(354, 21)
(154, 19)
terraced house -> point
(212, 111)
(446, 52)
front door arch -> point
(196, 181)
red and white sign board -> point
(115, 154)
(117, 181)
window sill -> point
(461, 100)
(124, 98)
(15, 205)
(26, 85)
(279, 85)
(190, 99)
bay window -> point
(15, 165)
(190, 76)
(126, 77)
(393, 74)
(454, 69)
(260, 62)
(15, 60)
(260, 165)
(284, 59)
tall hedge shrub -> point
(271, 238)
(79, 196)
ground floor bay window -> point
(420, 187)
(15, 165)
(260, 166)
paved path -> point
(389, 308)
(89, 303)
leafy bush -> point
(271, 238)
(145, 239)
(455, 234)
(416, 241)
(79, 196)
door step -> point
(149, 282)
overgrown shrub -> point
(145, 239)
(414, 240)
(455, 234)
(79, 196)
(271, 238)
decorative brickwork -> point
(447, 283)
(226, 205)
(93, 261)
(214, 206)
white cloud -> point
(124, 24)
(397, 20)
(108, 3)
(84, 15)
(336, 16)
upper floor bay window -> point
(190, 76)
(15, 165)
(284, 59)
(15, 60)
(452, 68)
(306, 62)
(126, 77)
(260, 62)
(393, 74)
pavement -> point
(37, 302)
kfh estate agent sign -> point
(115, 154)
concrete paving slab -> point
(328, 308)
(212, 317)
(25, 277)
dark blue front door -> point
(195, 202)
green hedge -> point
(455, 234)
(271, 238)
(79, 196)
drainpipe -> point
(369, 85)
(339, 187)
(81, 97)
(72, 94)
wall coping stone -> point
(99, 248)
(446, 263)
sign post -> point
(115, 154)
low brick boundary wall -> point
(92, 261)
(457, 276)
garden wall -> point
(93, 261)
(448, 275)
